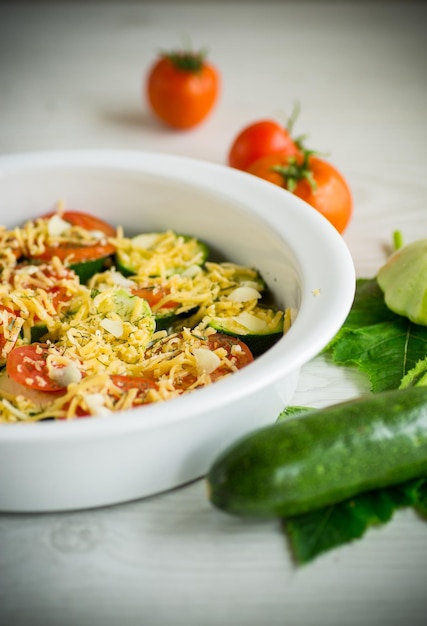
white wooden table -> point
(71, 77)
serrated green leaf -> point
(317, 532)
(385, 351)
(417, 376)
(383, 345)
(368, 308)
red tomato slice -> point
(27, 366)
(86, 221)
(141, 383)
(59, 294)
(83, 253)
(12, 243)
(239, 357)
(237, 352)
(10, 389)
(11, 316)
(153, 295)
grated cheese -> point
(97, 331)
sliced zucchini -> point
(168, 320)
(160, 254)
(38, 331)
(123, 304)
(259, 329)
(86, 269)
(231, 276)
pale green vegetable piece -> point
(403, 280)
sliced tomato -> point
(10, 389)
(141, 383)
(12, 243)
(55, 290)
(27, 366)
(6, 314)
(153, 295)
(237, 352)
(87, 221)
(80, 254)
(74, 255)
(79, 412)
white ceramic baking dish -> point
(104, 460)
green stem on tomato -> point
(293, 172)
(187, 60)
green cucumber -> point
(324, 456)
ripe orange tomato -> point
(182, 88)
(260, 139)
(314, 180)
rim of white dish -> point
(327, 285)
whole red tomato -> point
(182, 88)
(260, 139)
(314, 180)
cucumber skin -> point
(86, 269)
(324, 456)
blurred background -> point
(72, 72)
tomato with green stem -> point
(312, 179)
(182, 88)
(262, 138)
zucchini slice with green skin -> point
(86, 269)
(38, 331)
(252, 328)
(184, 251)
(167, 319)
(238, 275)
(324, 456)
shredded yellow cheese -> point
(94, 334)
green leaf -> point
(289, 411)
(368, 308)
(317, 532)
(383, 345)
(416, 377)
